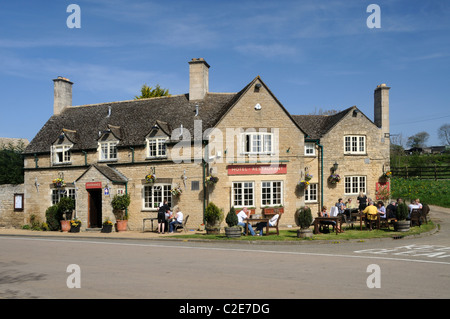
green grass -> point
(429, 191)
(291, 234)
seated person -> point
(418, 203)
(412, 206)
(391, 209)
(341, 206)
(178, 219)
(261, 225)
(244, 214)
(371, 213)
(324, 213)
(381, 209)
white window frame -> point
(156, 147)
(246, 188)
(310, 149)
(273, 191)
(108, 151)
(64, 150)
(58, 193)
(355, 184)
(257, 143)
(153, 195)
(354, 144)
(311, 193)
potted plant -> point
(233, 230)
(402, 225)
(107, 226)
(303, 219)
(120, 203)
(213, 218)
(66, 206)
(75, 225)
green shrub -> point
(402, 211)
(213, 214)
(232, 219)
(303, 217)
(53, 216)
(66, 206)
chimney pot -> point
(198, 79)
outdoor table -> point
(151, 219)
(250, 220)
(336, 219)
(361, 216)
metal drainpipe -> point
(126, 193)
(203, 182)
(85, 158)
(36, 161)
(132, 154)
(317, 142)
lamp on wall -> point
(335, 166)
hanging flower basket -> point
(211, 180)
(303, 183)
(176, 191)
(308, 177)
(334, 178)
(58, 182)
(387, 175)
(150, 178)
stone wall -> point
(8, 217)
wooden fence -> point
(422, 172)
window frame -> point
(256, 143)
(58, 193)
(353, 146)
(355, 184)
(153, 204)
(272, 200)
(242, 202)
(160, 149)
(310, 147)
(311, 193)
(110, 145)
(65, 151)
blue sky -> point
(312, 54)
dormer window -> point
(156, 147)
(61, 154)
(108, 150)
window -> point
(156, 194)
(310, 149)
(156, 147)
(354, 184)
(311, 193)
(243, 194)
(354, 144)
(57, 194)
(271, 193)
(61, 154)
(257, 143)
(108, 151)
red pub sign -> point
(257, 169)
(92, 185)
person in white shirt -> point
(244, 215)
(178, 219)
(272, 222)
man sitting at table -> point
(261, 225)
(371, 213)
(242, 215)
(178, 219)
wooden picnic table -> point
(251, 220)
(318, 220)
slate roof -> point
(130, 121)
(109, 172)
(315, 126)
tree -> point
(11, 164)
(444, 133)
(149, 92)
(418, 140)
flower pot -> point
(106, 228)
(402, 225)
(65, 225)
(75, 229)
(121, 225)
(212, 230)
(233, 232)
(304, 233)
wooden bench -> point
(182, 225)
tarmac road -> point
(132, 266)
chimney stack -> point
(198, 79)
(62, 94)
(381, 109)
